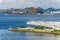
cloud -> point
(1, 1)
(29, 3)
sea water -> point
(16, 20)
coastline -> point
(45, 31)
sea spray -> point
(45, 23)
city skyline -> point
(4, 4)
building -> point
(18, 11)
(55, 12)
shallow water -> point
(8, 35)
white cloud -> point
(1, 1)
(29, 3)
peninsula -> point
(37, 29)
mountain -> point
(40, 10)
(50, 9)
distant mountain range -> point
(52, 9)
(28, 10)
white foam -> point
(44, 23)
(5, 14)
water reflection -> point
(8, 35)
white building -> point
(55, 12)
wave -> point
(44, 23)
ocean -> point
(16, 20)
(8, 35)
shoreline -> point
(34, 31)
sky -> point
(5, 4)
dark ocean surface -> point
(16, 20)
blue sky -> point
(4, 4)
